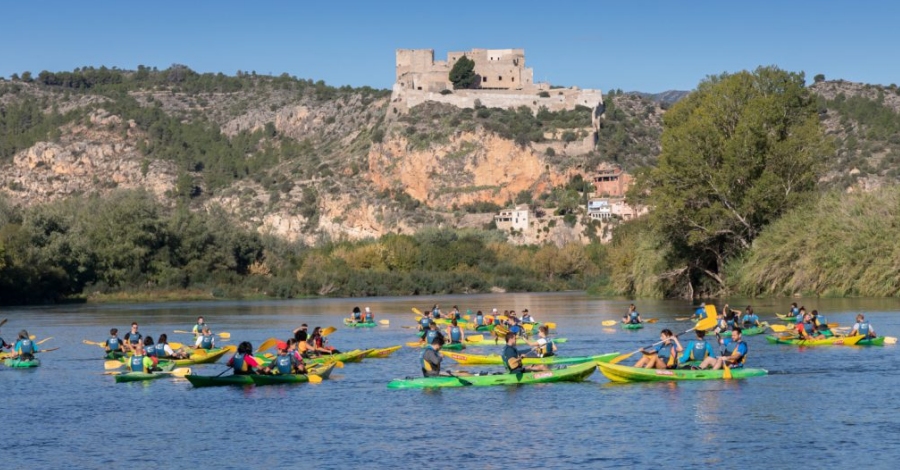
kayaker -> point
(433, 333)
(750, 319)
(4, 344)
(820, 323)
(424, 323)
(436, 312)
(431, 358)
(164, 351)
(24, 348)
(699, 313)
(206, 340)
(479, 319)
(794, 311)
(356, 317)
(317, 341)
(139, 362)
(113, 345)
(198, 328)
(734, 352)
(633, 317)
(512, 357)
(515, 326)
(697, 350)
(662, 355)
(730, 315)
(544, 345)
(454, 313)
(526, 317)
(369, 317)
(721, 324)
(294, 349)
(150, 350)
(862, 327)
(243, 362)
(301, 334)
(455, 333)
(133, 337)
(285, 363)
(805, 328)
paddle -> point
(551, 325)
(461, 380)
(4, 321)
(651, 320)
(890, 340)
(223, 335)
(726, 374)
(44, 340)
(609, 322)
(704, 324)
(328, 330)
(177, 372)
(47, 350)
(384, 322)
(418, 312)
(112, 364)
(780, 328)
(270, 343)
(682, 318)
(474, 338)
(93, 343)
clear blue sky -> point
(633, 45)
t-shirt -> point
(434, 359)
(510, 352)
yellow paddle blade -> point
(609, 322)
(551, 325)
(528, 326)
(778, 328)
(327, 331)
(711, 310)
(181, 371)
(418, 312)
(651, 320)
(475, 338)
(230, 348)
(467, 317)
(384, 322)
(267, 344)
(314, 379)
(502, 317)
(32, 337)
(890, 340)
(112, 364)
(93, 343)
(176, 345)
(833, 325)
(224, 335)
(44, 340)
(727, 374)
(707, 323)
(415, 344)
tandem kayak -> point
(353, 324)
(833, 341)
(493, 359)
(21, 363)
(323, 371)
(214, 381)
(500, 342)
(572, 373)
(447, 346)
(382, 352)
(632, 326)
(620, 373)
(786, 318)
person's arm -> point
(197, 342)
(678, 347)
(686, 355)
(147, 364)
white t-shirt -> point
(200, 340)
(167, 350)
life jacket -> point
(795, 311)
(136, 363)
(427, 367)
(150, 351)
(114, 344)
(369, 317)
(26, 346)
(238, 364)
(479, 320)
(357, 315)
(699, 350)
(809, 328)
(732, 346)
(863, 328)
(455, 334)
(425, 321)
(198, 328)
(664, 352)
(134, 337)
(283, 364)
(206, 341)
(547, 348)
(633, 317)
(430, 335)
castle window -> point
(485, 78)
(514, 79)
(500, 78)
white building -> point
(516, 219)
(599, 209)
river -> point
(820, 407)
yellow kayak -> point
(383, 352)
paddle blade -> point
(778, 328)
(475, 338)
(111, 364)
(4, 321)
(181, 371)
(93, 343)
(268, 344)
(609, 322)
(417, 312)
(727, 373)
(890, 340)
(339, 364)
(550, 325)
(651, 320)
(621, 358)
(384, 322)
(327, 331)
(314, 379)
(707, 323)
(225, 335)
(44, 340)
(467, 317)
(230, 348)
(176, 345)
(186, 332)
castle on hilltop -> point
(503, 82)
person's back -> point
(25, 347)
(431, 360)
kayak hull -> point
(786, 318)
(22, 364)
(632, 326)
(323, 371)
(494, 359)
(832, 341)
(879, 341)
(572, 373)
(350, 356)
(353, 324)
(500, 342)
(625, 374)
(138, 377)
(213, 381)
(382, 352)
(211, 356)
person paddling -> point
(24, 348)
(820, 323)
(285, 363)
(455, 333)
(133, 337)
(632, 317)
(479, 319)
(164, 351)
(243, 362)
(198, 328)
(805, 328)
(301, 333)
(734, 352)
(512, 357)
(431, 358)
(113, 345)
(662, 355)
(206, 340)
(369, 317)
(862, 327)
(356, 316)
(432, 333)
(317, 341)
(544, 345)
(750, 319)
(697, 350)
(794, 311)
(139, 362)
(526, 317)
(150, 350)
(4, 344)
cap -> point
(494, 310)
(303, 325)
(281, 345)
(367, 309)
(523, 311)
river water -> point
(825, 407)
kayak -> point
(786, 318)
(141, 376)
(383, 352)
(755, 330)
(620, 373)
(351, 323)
(447, 346)
(323, 371)
(493, 359)
(211, 356)
(21, 363)
(114, 355)
(879, 341)
(472, 326)
(490, 342)
(834, 340)
(632, 326)
(356, 355)
(572, 373)
(214, 381)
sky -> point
(633, 45)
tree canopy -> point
(736, 154)
(462, 75)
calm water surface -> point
(830, 407)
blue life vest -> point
(479, 320)
(26, 346)
(699, 350)
(206, 341)
(431, 335)
(700, 312)
(150, 350)
(369, 317)
(238, 364)
(795, 311)
(633, 317)
(863, 328)
(436, 313)
(283, 364)
(455, 334)
(664, 351)
(357, 315)
(822, 321)
(731, 346)
(134, 338)
(114, 344)
(136, 363)
(809, 328)
(515, 328)
(425, 321)
(198, 328)
(547, 349)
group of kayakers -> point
(357, 315)
(813, 325)
(144, 354)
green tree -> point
(462, 75)
(819, 78)
(736, 154)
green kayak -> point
(572, 373)
(356, 355)
(214, 381)
(114, 355)
(490, 342)
(756, 330)
(879, 341)
(786, 318)
(836, 341)
(351, 323)
(22, 363)
(620, 373)
(632, 326)
(140, 376)
(323, 371)
(493, 359)
(446, 346)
